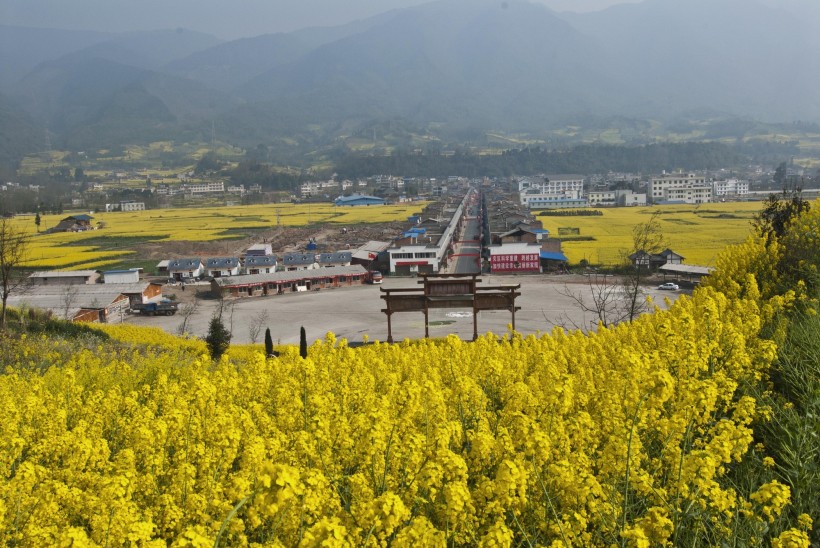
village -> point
(470, 231)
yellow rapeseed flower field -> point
(635, 435)
(122, 229)
(698, 233)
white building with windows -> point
(419, 258)
(602, 198)
(687, 188)
(551, 188)
(629, 198)
(206, 188)
(731, 187)
(125, 206)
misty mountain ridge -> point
(453, 65)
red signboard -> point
(515, 263)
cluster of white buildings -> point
(128, 205)
(317, 188)
(567, 191)
(205, 188)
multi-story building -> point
(205, 188)
(315, 188)
(731, 187)
(551, 188)
(681, 187)
(630, 198)
(690, 195)
(126, 206)
(602, 198)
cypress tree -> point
(218, 338)
(302, 343)
(268, 343)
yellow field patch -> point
(696, 232)
(122, 230)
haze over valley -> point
(452, 71)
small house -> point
(185, 269)
(74, 223)
(644, 259)
(88, 303)
(65, 277)
(260, 264)
(339, 258)
(299, 261)
(217, 267)
(129, 276)
(515, 257)
(523, 233)
(670, 257)
(259, 250)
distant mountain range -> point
(455, 68)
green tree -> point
(778, 211)
(37, 221)
(780, 175)
(218, 338)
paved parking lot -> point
(352, 312)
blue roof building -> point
(359, 200)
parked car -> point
(374, 277)
(670, 286)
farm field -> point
(665, 431)
(123, 230)
(698, 233)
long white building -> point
(550, 188)
(687, 188)
(731, 187)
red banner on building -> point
(515, 263)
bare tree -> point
(231, 306)
(186, 312)
(67, 299)
(602, 297)
(255, 326)
(610, 299)
(14, 246)
(648, 240)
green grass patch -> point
(680, 221)
(577, 238)
(117, 243)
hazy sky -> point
(226, 19)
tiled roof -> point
(222, 262)
(291, 276)
(184, 264)
(260, 260)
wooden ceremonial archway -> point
(449, 291)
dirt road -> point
(353, 312)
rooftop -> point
(291, 276)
